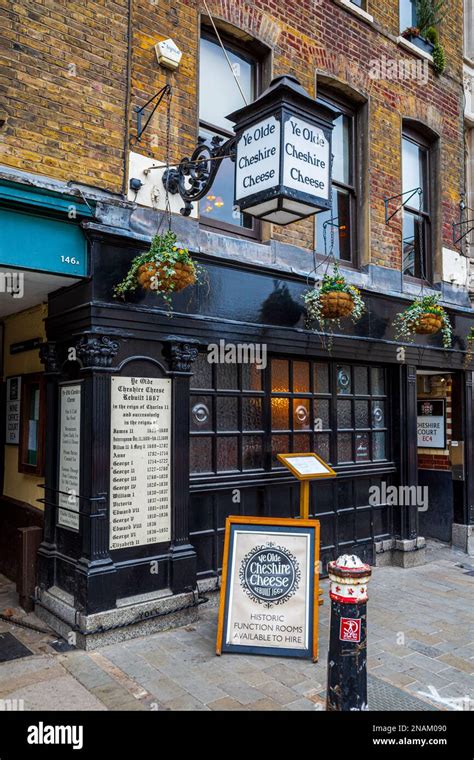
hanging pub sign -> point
(431, 423)
(269, 594)
(283, 154)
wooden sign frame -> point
(261, 527)
(283, 458)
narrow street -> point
(420, 656)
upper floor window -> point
(339, 230)
(219, 95)
(416, 212)
(360, 4)
(407, 14)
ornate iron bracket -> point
(410, 193)
(193, 177)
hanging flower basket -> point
(182, 276)
(336, 304)
(423, 317)
(333, 300)
(165, 268)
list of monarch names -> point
(140, 461)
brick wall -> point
(63, 75)
(72, 126)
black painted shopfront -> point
(354, 406)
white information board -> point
(69, 455)
(12, 412)
(140, 461)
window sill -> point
(402, 42)
(352, 8)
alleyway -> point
(421, 656)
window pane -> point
(280, 413)
(200, 454)
(280, 445)
(362, 447)
(219, 202)
(252, 414)
(202, 377)
(321, 378)
(252, 458)
(226, 413)
(227, 455)
(219, 93)
(300, 377)
(227, 376)
(344, 385)
(301, 414)
(378, 444)
(413, 173)
(407, 14)
(344, 447)
(344, 415)
(341, 148)
(361, 381)
(321, 414)
(280, 376)
(251, 377)
(378, 414)
(378, 381)
(414, 245)
(338, 233)
(301, 443)
(201, 413)
(321, 445)
(361, 409)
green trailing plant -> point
(316, 301)
(432, 35)
(439, 59)
(411, 321)
(469, 348)
(165, 268)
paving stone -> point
(308, 688)
(60, 693)
(266, 704)
(304, 704)
(457, 662)
(284, 674)
(227, 703)
(427, 663)
(186, 702)
(425, 649)
(242, 692)
(278, 692)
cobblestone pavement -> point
(421, 656)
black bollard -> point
(347, 657)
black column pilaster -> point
(95, 570)
(180, 353)
(47, 548)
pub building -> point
(156, 428)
